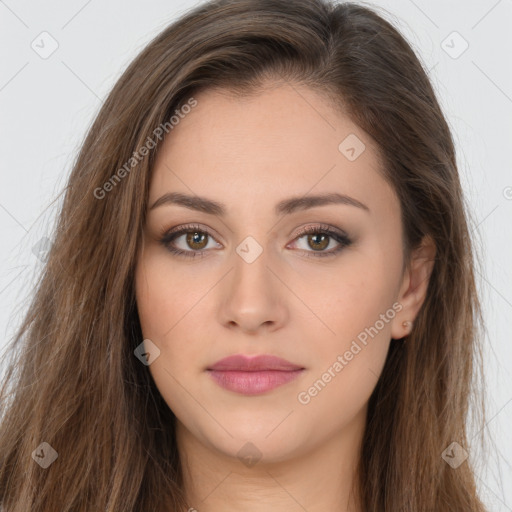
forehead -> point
(280, 141)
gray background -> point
(48, 103)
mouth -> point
(253, 375)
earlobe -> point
(414, 287)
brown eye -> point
(188, 241)
(196, 240)
(318, 238)
(318, 241)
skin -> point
(249, 154)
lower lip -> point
(253, 383)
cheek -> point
(341, 390)
(162, 305)
(358, 307)
(165, 311)
(353, 297)
(346, 366)
(155, 300)
(166, 299)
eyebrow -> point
(285, 207)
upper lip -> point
(242, 362)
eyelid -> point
(339, 235)
(324, 228)
(170, 235)
(184, 228)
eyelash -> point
(340, 237)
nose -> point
(253, 298)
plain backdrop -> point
(47, 102)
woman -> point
(260, 294)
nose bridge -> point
(252, 295)
(252, 274)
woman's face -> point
(252, 173)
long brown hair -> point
(74, 382)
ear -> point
(413, 289)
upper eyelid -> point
(322, 227)
(181, 230)
(174, 233)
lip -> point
(251, 375)
(244, 363)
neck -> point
(318, 480)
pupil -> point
(322, 243)
(195, 238)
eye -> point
(318, 238)
(195, 240)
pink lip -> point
(253, 375)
